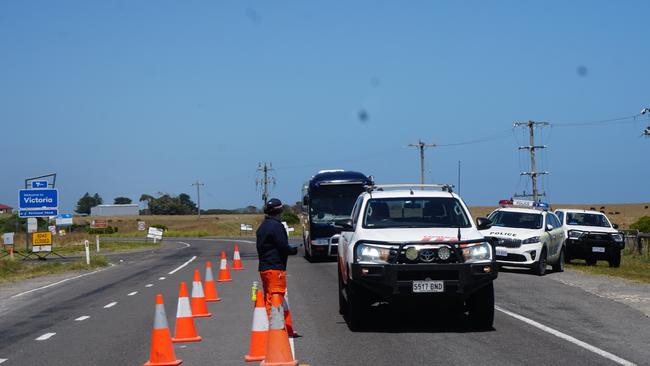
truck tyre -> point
(540, 266)
(356, 306)
(559, 266)
(615, 259)
(481, 307)
(342, 302)
(308, 256)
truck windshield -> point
(586, 219)
(519, 220)
(415, 213)
(333, 202)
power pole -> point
(533, 173)
(421, 146)
(198, 196)
(266, 180)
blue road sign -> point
(37, 213)
(39, 184)
(33, 199)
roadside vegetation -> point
(16, 269)
(635, 267)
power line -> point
(266, 180)
(531, 147)
(198, 197)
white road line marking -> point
(149, 285)
(45, 336)
(132, 293)
(110, 305)
(55, 283)
(162, 278)
(82, 318)
(184, 243)
(182, 265)
(2, 360)
(569, 338)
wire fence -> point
(637, 242)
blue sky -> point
(125, 98)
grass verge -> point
(14, 270)
(107, 247)
(633, 267)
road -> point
(105, 318)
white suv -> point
(527, 236)
(591, 236)
(414, 242)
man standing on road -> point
(273, 250)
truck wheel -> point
(308, 256)
(481, 307)
(356, 306)
(559, 266)
(615, 260)
(540, 265)
(342, 302)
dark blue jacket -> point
(273, 245)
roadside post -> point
(86, 244)
(7, 241)
(97, 241)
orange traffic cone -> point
(278, 349)
(199, 306)
(185, 330)
(162, 351)
(211, 293)
(224, 273)
(259, 331)
(287, 316)
(236, 260)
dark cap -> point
(273, 206)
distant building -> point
(115, 210)
(4, 209)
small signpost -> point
(155, 234)
(141, 226)
(99, 224)
(7, 241)
(64, 220)
(245, 227)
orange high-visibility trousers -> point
(274, 281)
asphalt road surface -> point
(105, 318)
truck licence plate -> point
(502, 252)
(598, 249)
(428, 286)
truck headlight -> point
(477, 252)
(372, 254)
(324, 241)
(617, 237)
(575, 234)
(532, 240)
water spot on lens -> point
(363, 116)
(582, 71)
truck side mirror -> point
(305, 201)
(345, 224)
(615, 226)
(549, 227)
(483, 223)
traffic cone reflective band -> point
(198, 304)
(162, 350)
(236, 260)
(211, 293)
(259, 331)
(287, 316)
(224, 273)
(185, 330)
(278, 349)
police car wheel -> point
(615, 260)
(342, 303)
(481, 308)
(356, 307)
(559, 266)
(540, 265)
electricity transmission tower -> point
(266, 180)
(198, 196)
(421, 146)
(533, 173)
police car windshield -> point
(415, 213)
(586, 219)
(519, 220)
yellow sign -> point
(42, 238)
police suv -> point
(415, 243)
(526, 235)
(591, 236)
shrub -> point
(642, 224)
(160, 226)
(290, 218)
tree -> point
(86, 202)
(169, 205)
(122, 201)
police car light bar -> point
(524, 203)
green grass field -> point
(14, 270)
(635, 267)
